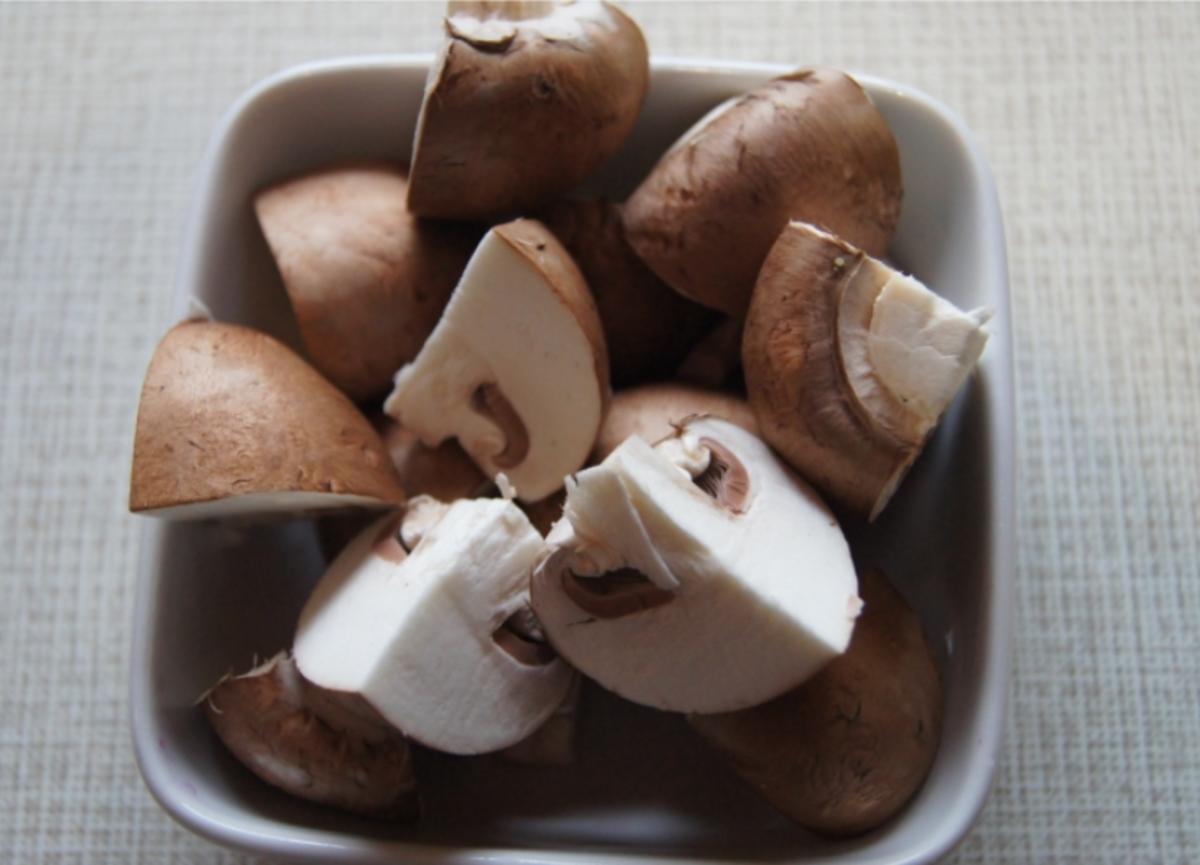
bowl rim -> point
(987, 720)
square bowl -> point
(210, 597)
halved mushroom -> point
(697, 576)
(847, 749)
(653, 411)
(231, 422)
(366, 279)
(517, 368)
(648, 327)
(850, 364)
(809, 145)
(524, 101)
(437, 641)
(310, 744)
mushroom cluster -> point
(500, 525)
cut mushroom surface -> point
(454, 662)
(309, 744)
(847, 749)
(809, 145)
(697, 576)
(232, 423)
(516, 369)
(366, 279)
(523, 102)
(850, 364)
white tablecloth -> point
(1090, 116)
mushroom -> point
(648, 327)
(850, 364)
(516, 368)
(847, 749)
(523, 102)
(310, 744)
(366, 279)
(456, 663)
(231, 422)
(653, 411)
(809, 145)
(697, 576)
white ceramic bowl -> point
(209, 598)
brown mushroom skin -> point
(809, 145)
(650, 411)
(227, 410)
(796, 382)
(513, 118)
(366, 279)
(846, 750)
(310, 745)
(648, 328)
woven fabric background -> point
(1090, 115)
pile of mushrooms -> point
(501, 524)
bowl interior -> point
(212, 597)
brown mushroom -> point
(367, 280)
(809, 145)
(846, 750)
(312, 743)
(524, 101)
(232, 422)
(850, 364)
(516, 369)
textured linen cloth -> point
(1090, 116)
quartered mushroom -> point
(847, 749)
(313, 744)
(697, 576)
(809, 145)
(440, 642)
(524, 100)
(367, 280)
(653, 411)
(516, 369)
(231, 423)
(850, 364)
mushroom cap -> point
(849, 364)
(366, 279)
(809, 145)
(523, 102)
(306, 744)
(847, 749)
(231, 422)
(695, 595)
(648, 328)
(653, 411)
(516, 369)
(445, 665)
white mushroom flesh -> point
(423, 638)
(766, 590)
(505, 327)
